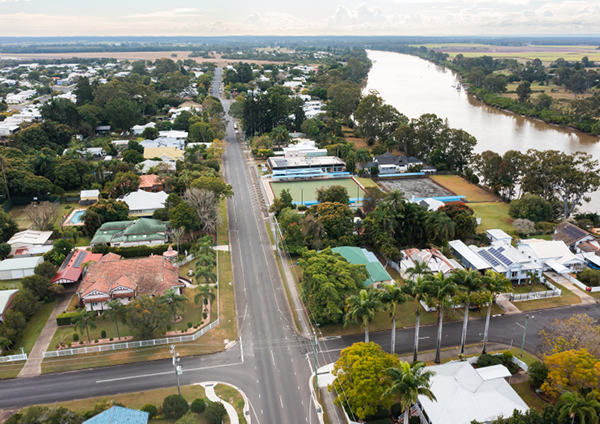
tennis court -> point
(305, 192)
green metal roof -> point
(356, 256)
(129, 231)
(146, 226)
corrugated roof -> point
(5, 296)
(358, 256)
(20, 263)
(119, 415)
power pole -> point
(524, 332)
(315, 352)
(178, 369)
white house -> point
(499, 235)
(139, 129)
(180, 135)
(145, 166)
(143, 203)
(13, 269)
(435, 260)
(551, 255)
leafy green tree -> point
(391, 296)
(524, 91)
(440, 227)
(327, 281)
(198, 405)
(131, 156)
(5, 250)
(334, 193)
(344, 98)
(531, 207)
(538, 372)
(150, 133)
(175, 406)
(359, 379)
(337, 220)
(201, 132)
(184, 215)
(215, 412)
(282, 202)
(145, 315)
(8, 227)
(115, 312)
(363, 307)
(124, 183)
(407, 382)
(62, 111)
(175, 303)
(105, 210)
(216, 185)
(84, 320)
(123, 114)
(37, 284)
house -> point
(89, 197)
(151, 183)
(388, 163)
(303, 147)
(13, 269)
(139, 129)
(166, 154)
(575, 238)
(378, 276)
(131, 233)
(428, 203)
(119, 415)
(435, 260)
(499, 235)
(465, 394)
(146, 165)
(103, 129)
(551, 255)
(6, 299)
(142, 203)
(499, 257)
(28, 238)
(112, 278)
(179, 135)
(73, 266)
(163, 142)
(305, 165)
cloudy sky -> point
(305, 17)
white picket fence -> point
(129, 345)
(187, 259)
(13, 358)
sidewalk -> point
(33, 366)
(586, 299)
(507, 305)
(212, 396)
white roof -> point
(89, 193)
(147, 164)
(463, 395)
(556, 266)
(143, 200)
(551, 249)
(498, 235)
(173, 134)
(473, 258)
(20, 263)
(30, 237)
(5, 297)
(493, 371)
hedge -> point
(66, 318)
(138, 251)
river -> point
(415, 86)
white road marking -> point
(165, 373)
(281, 400)
(273, 357)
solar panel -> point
(79, 260)
(500, 249)
(280, 162)
(485, 255)
(66, 262)
(500, 256)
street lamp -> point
(178, 369)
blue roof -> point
(119, 415)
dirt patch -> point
(416, 187)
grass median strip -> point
(233, 397)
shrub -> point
(382, 421)
(175, 406)
(204, 315)
(474, 179)
(75, 337)
(507, 355)
(396, 410)
(96, 341)
(111, 339)
(302, 208)
(382, 413)
(150, 409)
(589, 277)
(189, 324)
(414, 420)
(198, 405)
(215, 411)
(486, 360)
(65, 319)
(69, 344)
(538, 372)
(523, 226)
(103, 334)
(168, 328)
(544, 226)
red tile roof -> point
(68, 270)
(149, 181)
(147, 276)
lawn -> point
(138, 399)
(529, 397)
(493, 215)
(233, 397)
(529, 289)
(11, 370)
(527, 357)
(35, 326)
(367, 182)
(567, 298)
(10, 284)
(462, 187)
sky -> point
(305, 17)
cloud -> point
(168, 14)
(360, 15)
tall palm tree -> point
(206, 261)
(494, 284)
(362, 306)
(362, 156)
(534, 279)
(419, 291)
(585, 409)
(391, 296)
(204, 293)
(114, 313)
(174, 302)
(419, 268)
(205, 272)
(394, 198)
(85, 320)
(441, 289)
(470, 285)
(407, 382)
(440, 227)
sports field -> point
(306, 191)
(464, 188)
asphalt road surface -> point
(271, 363)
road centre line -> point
(165, 373)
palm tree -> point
(440, 227)
(534, 279)
(470, 284)
(362, 156)
(85, 320)
(407, 382)
(391, 296)
(114, 313)
(3, 163)
(573, 405)
(494, 284)
(394, 198)
(362, 306)
(205, 272)
(205, 294)
(418, 268)
(418, 290)
(441, 289)
(174, 302)
(206, 261)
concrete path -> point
(507, 305)
(586, 299)
(212, 396)
(33, 366)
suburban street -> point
(271, 363)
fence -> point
(187, 259)
(130, 345)
(580, 284)
(13, 358)
(520, 297)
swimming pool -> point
(77, 217)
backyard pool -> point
(76, 217)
